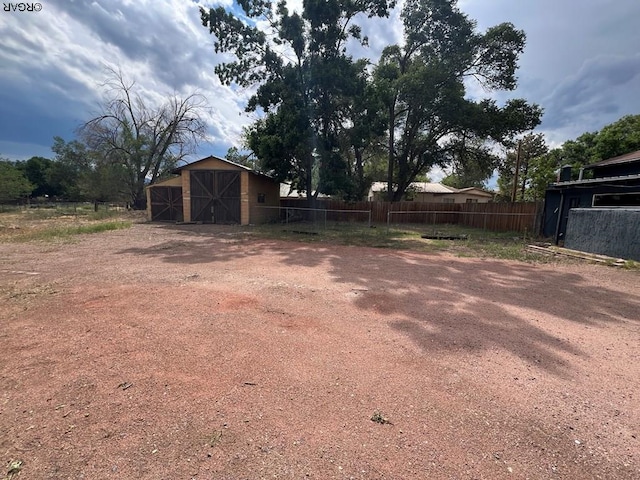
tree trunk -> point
(392, 157)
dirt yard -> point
(195, 352)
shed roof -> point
(210, 157)
(626, 158)
(213, 157)
(595, 181)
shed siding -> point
(607, 231)
(271, 191)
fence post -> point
(369, 218)
(388, 220)
(484, 220)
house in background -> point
(214, 190)
(612, 197)
(287, 192)
(427, 192)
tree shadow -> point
(448, 304)
(440, 302)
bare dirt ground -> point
(166, 352)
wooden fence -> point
(516, 217)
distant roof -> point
(421, 187)
(287, 191)
(626, 158)
(429, 187)
(475, 190)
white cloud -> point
(580, 62)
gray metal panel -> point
(608, 231)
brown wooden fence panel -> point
(515, 217)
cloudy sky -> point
(581, 63)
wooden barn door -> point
(227, 200)
(215, 196)
(202, 196)
(166, 204)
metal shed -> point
(214, 190)
(613, 190)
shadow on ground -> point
(440, 302)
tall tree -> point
(36, 170)
(423, 86)
(80, 174)
(145, 140)
(14, 185)
(306, 82)
(618, 138)
(543, 170)
(531, 147)
(472, 162)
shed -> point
(214, 190)
(615, 185)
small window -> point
(617, 200)
(472, 200)
(261, 198)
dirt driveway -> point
(164, 352)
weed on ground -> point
(471, 242)
(25, 225)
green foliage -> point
(314, 95)
(14, 185)
(542, 171)
(326, 117)
(247, 159)
(79, 174)
(533, 172)
(36, 170)
(422, 86)
(618, 138)
(472, 162)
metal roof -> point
(476, 191)
(420, 187)
(626, 158)
(597, 180)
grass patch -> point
(631, 265)
(66, 232)
(47, 224)
(478, 242)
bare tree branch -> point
(148, 140)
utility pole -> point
(515, 177)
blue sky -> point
(581, 64)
